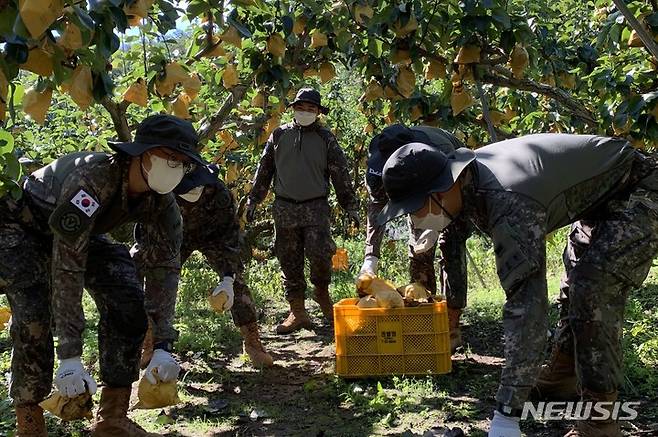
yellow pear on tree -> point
(435, 70)
(80, 86)
(469, 54)
(310, 72)
(400, 57)
(327, 71)
(567, 80)
(258, 101)
(460, 99)
(373, 91)
(192, 85)
(402, 31)
(299, 25)
(276, 45)
(180, 106)
(71, 38)
(232, 36)
(39, 61)
(38, 15)
(230, 76)
(362, 13)
(217, 50)
(137, 93)
(406, 82)
(36, 104)
(176, 73)
(318, 39)
(519, 60)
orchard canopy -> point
(89, 71)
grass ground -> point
(222, 394)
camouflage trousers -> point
(452, 263)
(604, 260)
(111, 279)
(243, 310)
(303, 231)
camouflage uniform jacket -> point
(82, 195)
(302, 160)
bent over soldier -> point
(302, 157)
(210, 225)
(517, 192)
(52, 244)
(423, 243)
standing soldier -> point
(422, 246)
(518, 191)
(301, 157)
(52, 245)
(210, 225)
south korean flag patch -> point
(85, 203)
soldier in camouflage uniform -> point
(518, 191)
(302, 157)
(422, 247)
(52, 244)
(210, 225)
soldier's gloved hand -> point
(369, 265)
(425, 241)
(250, 213)
(226, 287)
(164, 365)
(72, 379)
(504, 426)
(353, 217)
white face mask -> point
(435, 222)
(193, 195)
(162, 177)
(305, 118)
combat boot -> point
(30, 421)
(557, 380)
(597, 428)
(296, 320)
(253, 346)
(112, 417)
(324, 300)
(455, 329)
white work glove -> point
(504, 426)
(425, 241)
(369, 265)
(166, 366)
(72, 379)
(226, 286)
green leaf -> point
(375, 47)
(233, 21)
(6, 142)
(501, 16)
(84, 19)
(7, 20)
(287, 24)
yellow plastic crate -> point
(395, 341)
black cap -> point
(416, 170)
(163, 130)
(388, 141)
(309, 95)
(202, 175)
